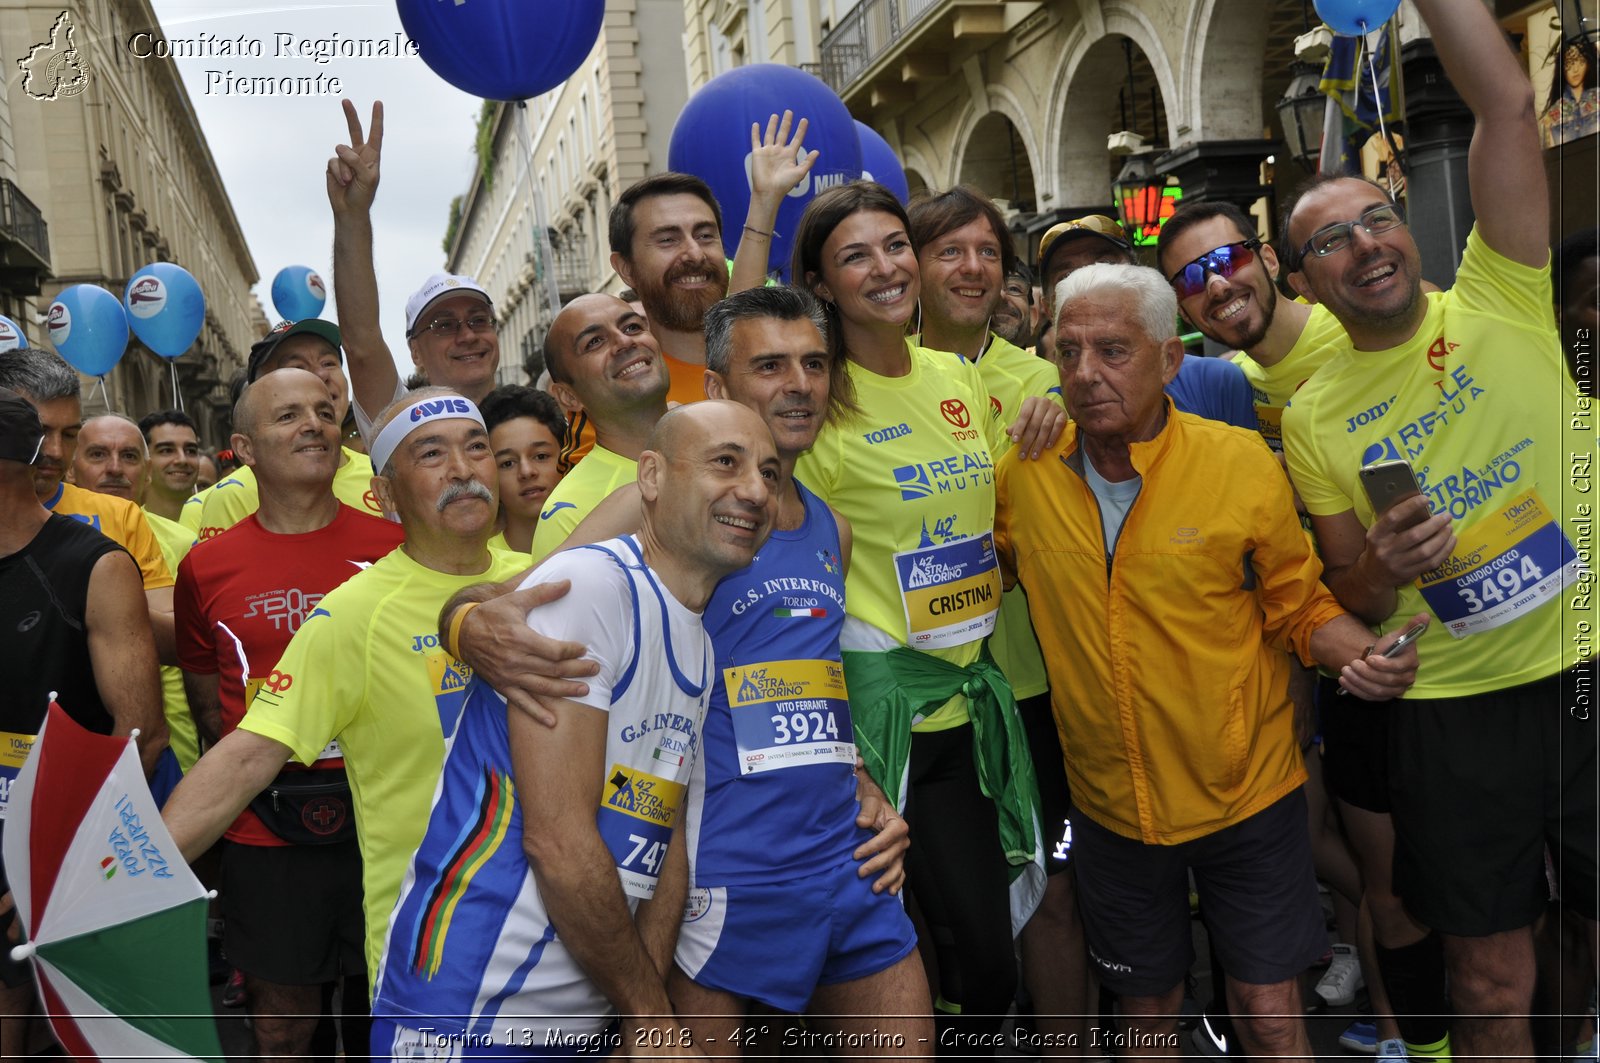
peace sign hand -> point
(353, 170)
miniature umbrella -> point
(115, 919)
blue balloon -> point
(166, 308)
(298, 293)
(1355, 17)
(503, 49)
(88, 328)
(879, 163)
(712, 141)
(11, 336)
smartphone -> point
(1388, 483)
(1407, 637)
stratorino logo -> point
(440, 408)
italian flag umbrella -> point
(115, 919)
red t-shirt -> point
(242, 595)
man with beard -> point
(1494, 755)
(603, 362)
(366, 668)
(450, 326)
(666, 245)
(1015, 320)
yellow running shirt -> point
(236, 496)
(366, 668)
(120, 521)
(586, 486)
(914, 475)
(1480, 403)
(175, 540)
(193, 508)
(1273, 386)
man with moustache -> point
(52, 387)
(366, 668)
(311, 344)
(666, 245)
(450, 326)
(291, 870)
(1470, 388)
(603, 361)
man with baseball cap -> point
(73, 609)
(366, 667)
(450, 325)
(311, 344)
(1069, 245)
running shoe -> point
(1360, 1036)
(1339, 983)
(1393, 1048)
(233, 992)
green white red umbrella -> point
(114, 918)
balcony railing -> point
(870, 29)
(22, 223)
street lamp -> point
(1301, 113)
(1142, 197)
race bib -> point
(637, 810)
(789, 713)
(951, 592)
(1503, 568)
(13, 751)
(1269, 420)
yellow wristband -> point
(452, 640)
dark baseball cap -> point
(262, 351)
(21, 434)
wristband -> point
(758, 232)
(452, 641)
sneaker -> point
(1393, 1048)
(1338, 985)
(233, 992)
(1360, 1036)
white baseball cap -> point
(440, 286)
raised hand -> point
(353, 170)
(777, 165)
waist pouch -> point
(308, 807)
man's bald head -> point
(111, 456)
(258, 397)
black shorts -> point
(1355, 746)
(1258, 896)
(292, 913)
(1050, 768)
(1488, 782)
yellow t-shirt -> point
(585, 487)
(1273, 386)
(366, 668)
(236, 496)
(914, 475)
(193, 508)
(120, 521)
(182, 735)
(1480, 403)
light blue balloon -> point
(87, 327)
(166, 308)
(298, 293)
(1354, 18)
(11, 336)
(879, 163)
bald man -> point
(579, 921)
(605, 363)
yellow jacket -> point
(1168, 675)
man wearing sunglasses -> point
(1469, 387)
(450, 325)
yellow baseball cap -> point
(1089, 225)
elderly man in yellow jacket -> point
(1166, 573)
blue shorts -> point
(514, 1038)
(776, 943)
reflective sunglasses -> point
(1336, 237)
(1224, 261)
